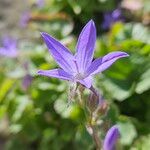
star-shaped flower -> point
(79, 67)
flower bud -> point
(93, 102)
(26, 82)
(103, 107)
(81, 88)
(111, 138)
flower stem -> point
(94, 133)
(91, 126)
(96, 138)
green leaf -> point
(127, 131)
(62, 108)
(142, 143)
(5, 87)
(141, 33)
(144, 83)
(22, 103)
(15, 128)
(117, 89)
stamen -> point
(79, 75)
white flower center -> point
(79, 76)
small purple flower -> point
(27, 79)
(26, 82)
(112, 17)
(9, 47)
(40, 3)
(111, 138)
(25, 17)
(79, 67)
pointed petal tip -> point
(39, 72)
(115, 127)
(86, 45)
(46, 35)
(124, 54)
(91, 22)
(43, 34)
(111, 138)
(120, 53)
(101, 64)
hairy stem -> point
(94, 133)
(91, 128)
(96, 138)
(98, 94)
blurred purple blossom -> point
(40, 3)
(79, 67)
(111, 17)
(111, 138)
(9, 47)
(26, 82)
(25, 17)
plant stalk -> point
(96, 138)
(94, 134)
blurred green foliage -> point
(38, 118)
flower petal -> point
(60, 53)
(9, 42)
(2, 51)
(111, 138)
(87, 82)
(101, 64)
(56, 73)
(85, 46)
(12, 53)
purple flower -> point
(79, 67)
(112, 17)
(27, 79)
(9, 47)
(26, 82)
(25, 19)
(40, 3)
(111, 138)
